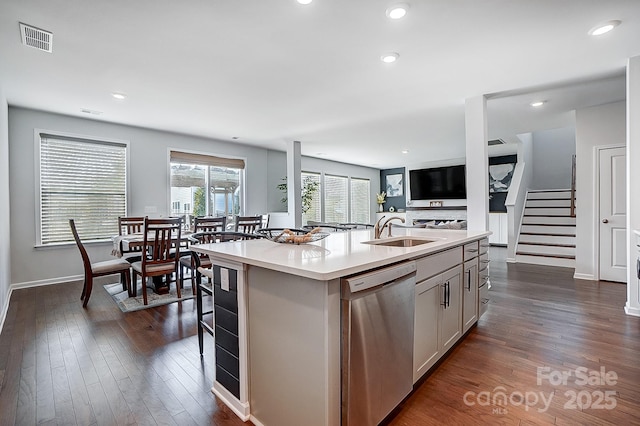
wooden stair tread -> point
(547, 234)
(557, 256)
(547, 244)
(549, 224)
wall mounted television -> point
(438, 183)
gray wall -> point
(148, 176)
(5, 248)
(595, 126)
(277, 169)
(552, 151)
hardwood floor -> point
(61, 364)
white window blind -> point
(83, 180)
(336, 207)
(360, 208)
(315, 210)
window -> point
(80, 179)
(315, 205)
(205, 185)
(360, 201)
(336, 205)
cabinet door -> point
(470, 295)
(451, 308)
(425, 348)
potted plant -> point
(380, 199)
(309, 188)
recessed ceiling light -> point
(397, 11)
(304, 1)
(404, 151)
(537, 104)
(389, 57)
(603, 28)
(119, 95)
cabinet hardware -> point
(469, 280)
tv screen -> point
(438, 183)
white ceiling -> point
(271, 71)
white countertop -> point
(338, 255)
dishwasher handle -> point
(379, 277)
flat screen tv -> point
(438, 183)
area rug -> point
(130, 304)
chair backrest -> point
(265, 221)
(130, 225)
(328, 227)
(248, 224)
(209, 224)
(83, 252)
(353, 225)
(160, 238)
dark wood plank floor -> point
(61, 364)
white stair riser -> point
(551, 250)
(550, 261)
(555, 220)
(546, 239)
(548, 195)
(548, 203)
(541, 229)
(547, 212)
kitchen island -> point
(278, 315)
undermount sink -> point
(400, 242)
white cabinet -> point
(470, 295)
(498, 225)
(450, 313)
(426, 346)
(438, 303)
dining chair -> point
(99, 269)
(161, 253)
(248, 224)
(203, 266)
(200, 225)
(130, 225)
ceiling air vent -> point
(36, 38)
(496, 142)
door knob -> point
(605, 220)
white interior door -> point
(613, 218)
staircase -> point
(548, 231)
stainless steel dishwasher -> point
(377, 342)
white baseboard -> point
(589, 277)
(3, 314)
(240, 408)
(631, 310)
(49, 281)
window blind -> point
(206, 160)
(315, 210)
(360, 198)
(84, 180)
(336, 199)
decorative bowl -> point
(291, 235)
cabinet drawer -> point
(470, 250)
(483, 275)
(484, 246)
(483, 261)
(434, 264)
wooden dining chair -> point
(248, 224)
(200, 225)
(161, 253)
(130, 225)
(99, 269)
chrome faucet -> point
(378, 229)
